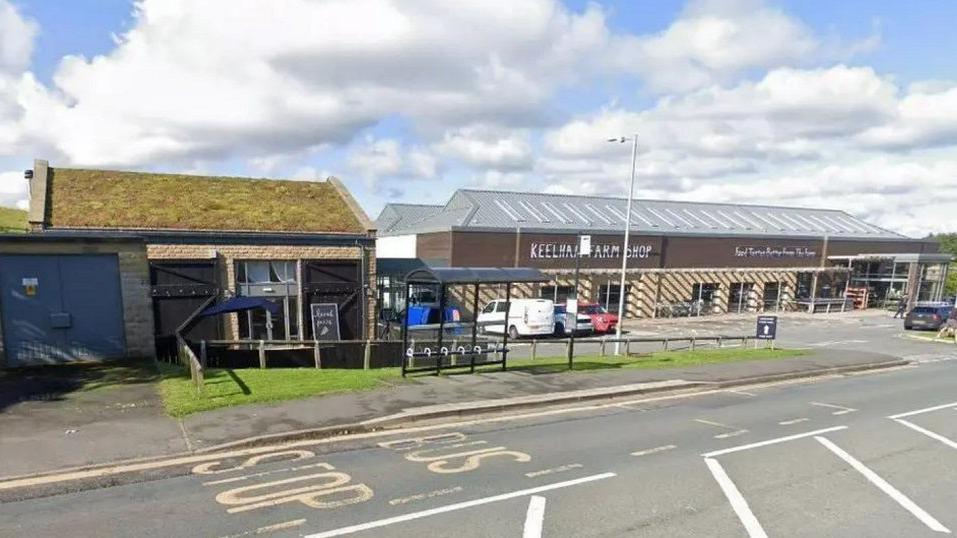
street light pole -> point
(624, 254)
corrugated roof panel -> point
(555, 212)
(661, 217)
(794, 224)
(679, 217)
(535, 213)
(855, 225)
(614, 211)
(802, 218)
(510, 211)
(732, 220)
(598, 214)
(754, 224)
(576, 212)
(636, 213)
(765, 220)
(720, 222)
(699, 219)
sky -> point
(849, 105)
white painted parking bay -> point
(802, 488)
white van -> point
(527, 317)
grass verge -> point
(658, 359)
(229, 387)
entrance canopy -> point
(931, 257)
(475, 275)
(241, 303)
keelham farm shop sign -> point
(773, 252)
(558, 251)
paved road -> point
(863, 455)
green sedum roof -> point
(136, 200)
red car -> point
(601, 319)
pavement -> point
(79, 429)
(859, 454)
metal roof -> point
(404, 215)
(491, 210)
(475, 275)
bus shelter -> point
(453, 285)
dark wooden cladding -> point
(434, 248)
(557, 251)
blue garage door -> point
(61, 308)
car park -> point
(526, 317)
(583, 324)
(602, 320)
(928, 316)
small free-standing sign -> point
(325, 321)
(767, 328)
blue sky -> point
(727, 94)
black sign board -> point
(767, 327)
(325, 321)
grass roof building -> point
(295, 243)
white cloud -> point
(13, 190)
(486, 147)
(388, 158)
(16, 39)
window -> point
(703, 296)
(609, 294)
(489, 308)
(558, 294)
(740, 296)
(276, 281)
(772, 295)
(501, 306)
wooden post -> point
(692, 343)
(534, 348)
(568, 352)
(719, 342)
(262, 354)
(367, 356)
(316, 354)
(202, 353)
(602, 347)
(666, 344)
(628, 347)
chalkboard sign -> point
(325, 321)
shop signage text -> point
(598, 250)
(774, 252)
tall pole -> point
(624, 253)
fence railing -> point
(195, 364)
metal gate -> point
(338, 282)
(178, 288)
(61, 308)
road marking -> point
(140, 464)
(726, 435)
(743, 393)
(793, 421)
(534, 518)
(772, 441)
(422, 496)
(884, 486)
(737, 501)
(712, 423)
(559, 469)
(922, 411)
(928, 433)
(264, 473)
(653, 450)
(270, 528)
(457, 506)
(841, 410)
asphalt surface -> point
(604, 469)
(646, 467)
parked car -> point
(583, 324)
(526, 317)
(602, 320)
(928, 316)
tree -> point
(948, 244)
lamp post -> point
(624, 254)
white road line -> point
(793, 421)
(884, 486)
(743, 393)
(711, 423)
(653, 450)
(928, 433)
(553, 470)
(772, 441)
(534, 518)
(922, 411)
(270, 528)
(841, 410)
(726, 435)
(737, 501)
(457, 506)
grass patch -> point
(114, 199)
(229, 387)
(84, 377)
(658, 359)
(13, 220)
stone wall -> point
(227, 255)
